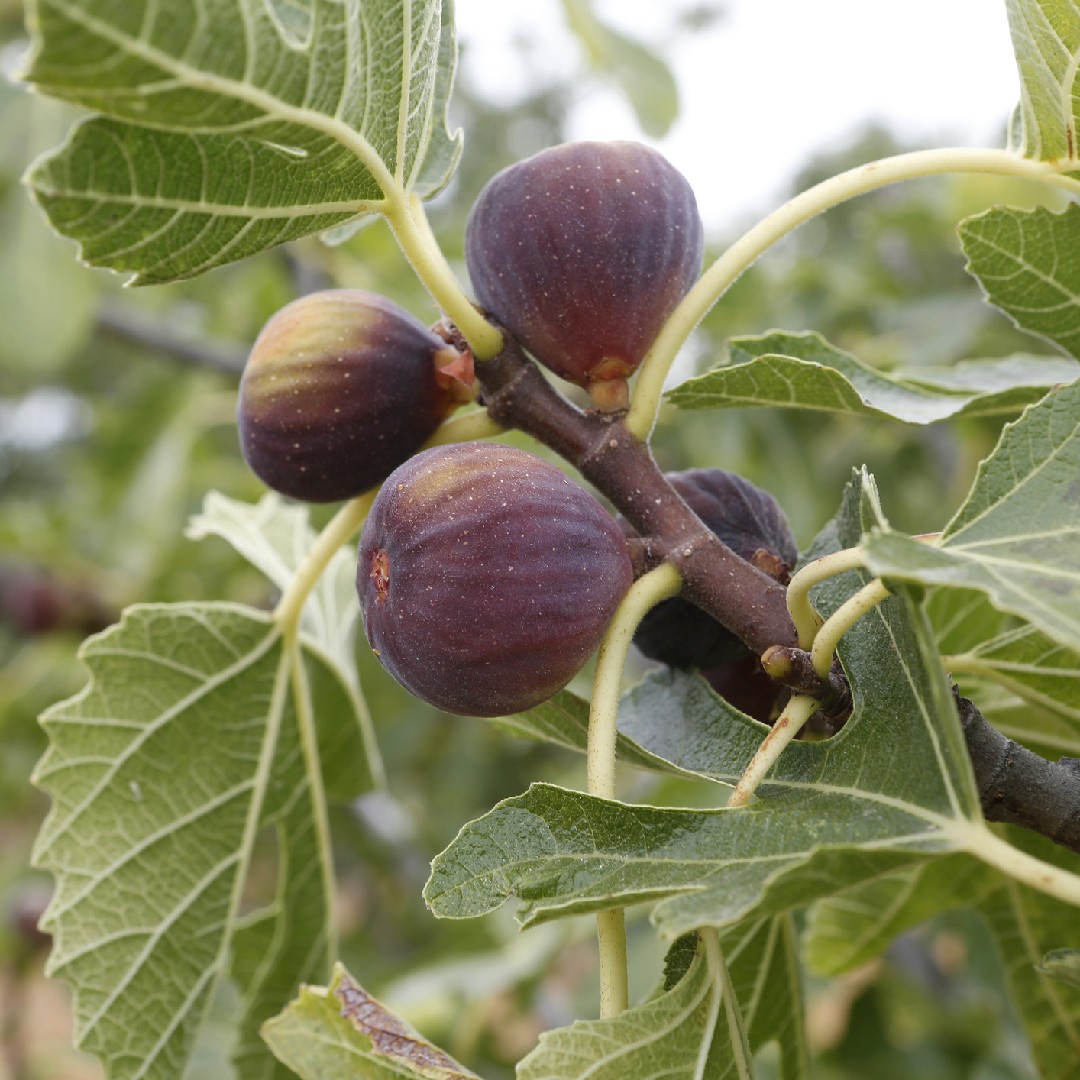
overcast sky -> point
(774, 80)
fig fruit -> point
(340, 388)
(751, 523)
(582, 252)
(487, 577)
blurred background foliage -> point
(117, 416)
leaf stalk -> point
(798, 710)
(337, 533)
(841, 621)
(647, 591)
(711, 286)
(408, 221)
(806, 619)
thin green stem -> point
(842, 620)
(648, 590)
(978, 840)
(475, 424)
(309, 744)
(742, 1059)
(806, 619)
(645, 399)
(408, 221)
(337, 533)
(614, 977)
(372, 753)
(790, 722)
(972, 664)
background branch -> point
(163, 336)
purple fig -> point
(582, 252)
(340, 388)
(487, 577)
(751, 523)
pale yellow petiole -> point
(474, 424)
(341, 528)
(645, 398)
(647, 591)
(806, 619)
(408, 221)
(842, 620)
(790, 722)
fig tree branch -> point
(1015, 785)
(131, 324)
(743, 598)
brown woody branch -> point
(1018, 787)
(1015, 785)
(750, 603)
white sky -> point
(774, 80)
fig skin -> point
(487, 577)
(340, 388)
(751, 523)
(582, 251)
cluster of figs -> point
(486, 576)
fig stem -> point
(614, 977)
(409, 224)
(648, 590)
(842, 620)
(798, 710)
(467, 427)
(341, 528)
(658, 584)
(806, 619)
(649, 385)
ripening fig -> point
(582, 252)
(340, 388)
(751, 523)
(487, 577)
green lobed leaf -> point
(803, 371)
(275, 535)
(1062, 964)
(564, 721)
(1017, 536)
(765, 973)
(195, 733)
(832, 814)
(1027, 925)
(693, 1030)
(640, 73)
(1032, 666)
(341, 1031)
(1024, 683)
(1028, 264)
(228, 127)
(858, 925)
(1046, 40)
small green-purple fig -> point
(487, 577)
(340, 388)
(751, 523)
(582, 252)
